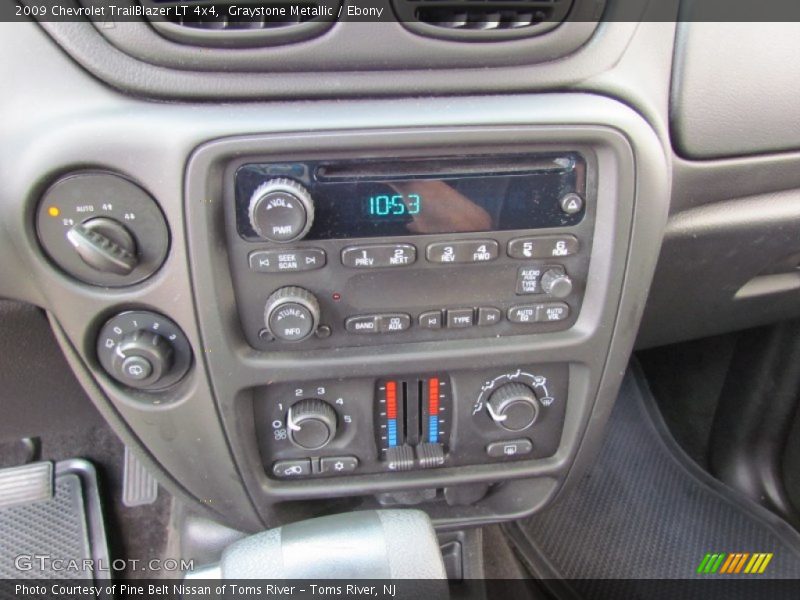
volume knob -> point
(292, 314)
(281, 210)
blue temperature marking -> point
(433, 429)
(392, 433)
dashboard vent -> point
(242, 23)
(482, 19)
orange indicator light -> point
(53, 211)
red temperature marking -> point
(391, 399)
(433, 396)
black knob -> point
(556, 283)
(281, 210)
(291, 314)
(105, 245)
(311, 423)
(513, 406)
(141, 359)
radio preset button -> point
(431, 319)
(460, 317)
(547, 246)
(287, 261)
(393, 323)
(379, 255)
(488, 315)
(362, 324)
(462, 251)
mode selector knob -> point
(556, 283)
(292, 314)
(513, 406)
(311, 423)
(281, 210)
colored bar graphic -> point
(734, 563)
(433, 410)
(391, 412)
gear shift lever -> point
(374, 544)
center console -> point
(380, 251)
(417, 316)
(389, 306)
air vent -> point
(478, 20)
(243, 23)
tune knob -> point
(105, 245)
(556, 283)
(311, 423)
(141, 359)
(281, 210)
(513, 406)
(291, 314)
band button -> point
(362, 324)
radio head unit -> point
(381, 198)
(332, 253)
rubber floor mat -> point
(57, 537)
(645, 517)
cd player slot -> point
(414, 168)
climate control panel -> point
(411, 422)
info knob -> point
(281, 210)
(513, 406)
(291, 314)
(311, 423)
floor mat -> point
(645, 513)
(50, 538)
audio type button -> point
(458, 318)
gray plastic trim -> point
(150, 142)
(734, 90)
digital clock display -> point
(395, 205)
(387, 198)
